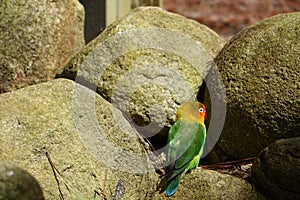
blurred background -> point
(228, 17)
(223, 16)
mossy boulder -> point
(64, 128)
(276, 171)
(37, 38)
(16, 183)
(146, 64)
(259, 67)
(78, 131)
(207, 184)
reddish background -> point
(228, 17)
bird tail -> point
(173, 185)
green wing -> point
(185, 141)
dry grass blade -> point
(55, 170)
(238, 168)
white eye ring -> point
(201, 110)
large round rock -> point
(67, 126)
(147, 63)
(276, 171)
(260, 71)
(208, 184)
(36, 39)
(16, 183)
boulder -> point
(70, 138)
(37, 38)
(260, 70)
(276, 171)
(16, 183)
(207, 184)
(65, 127)
(147, 64)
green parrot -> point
(185, 143)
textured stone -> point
(260, 70)
(16, 183)
(69, 121)
(276, 171)
(147, 64)
(207, 184)
(88, 140)
(37, 38)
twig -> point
(54, 170)
(52, 164)
(148, 147)
(229, 164)
(104, 183)
(152, 155)
(96, 193)
(102, 193)
(233, 168)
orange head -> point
(192, 110)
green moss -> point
(260, 70)
(37, 39)
(41, 118)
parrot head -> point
(192, 110)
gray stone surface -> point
(260, 70)
(37, 38)
(207, 184)
(146, 64)
(92, 146)
(87, 139)
(16, 183)
(276, 171)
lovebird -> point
(186, 140)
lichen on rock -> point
(161, 56)
(260, 70)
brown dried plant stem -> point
(54, 170)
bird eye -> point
(201, 110)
